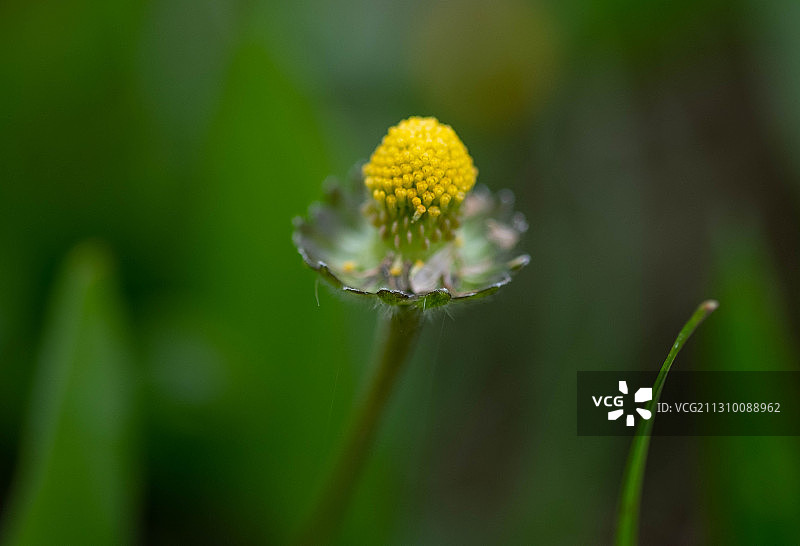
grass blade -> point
(630, 500)
(75, 482)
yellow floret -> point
(420, 173)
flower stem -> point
(400, 337)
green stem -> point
(633, 478)
(400, 337)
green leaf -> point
(750, 484)
(630, 500)
(75, 480)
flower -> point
(410, 227)
(418, 177)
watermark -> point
(643, 394)
(691, 403)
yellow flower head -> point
(418, 176)
(420, 236)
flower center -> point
(418, 176)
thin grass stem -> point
(633, 476)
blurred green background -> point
(166, 373)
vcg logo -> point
(644, 394)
